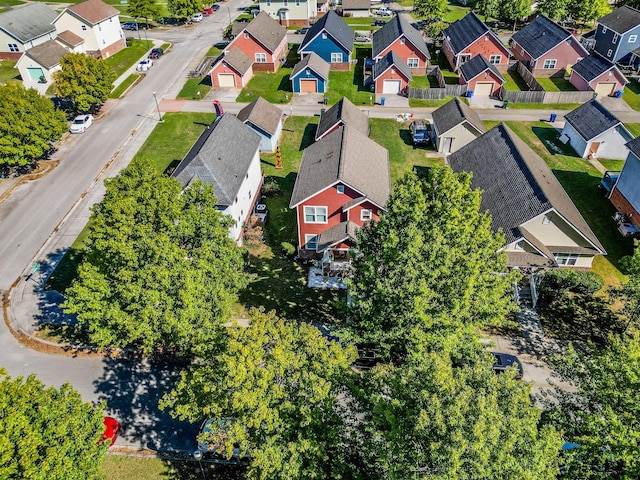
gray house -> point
(593, 131)
(618, 34)
(342, 113)
(25, 27)
(454, 125)
(265, 119)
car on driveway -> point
(361, 38)
(302, 31)
(81, 123)
(144, 65)
(155, 53)
(111, 429)
(503, 361)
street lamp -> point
(229, 12)
(157, 107)
(198, 456)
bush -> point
(270, 187)
(288, 249)
(557, 283)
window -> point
(566, 259)
(315, 214)
(609, 52)
(84, 28)
(519, 245)
(13, 47)
(546, 220)
(365, 215)
(549, 63)
(413, 62)
(261, 58)
(633, 38)
(402, 40)
(286, 3)
(336, 57)
(297, 3)
(311, 242)
(324, 35)
(246, 34)
(604, 29)
(465, 58)
(268, 3)
(495, 59)
(249, 194)
(615, 38)
(340, 188)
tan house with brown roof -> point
(95, 22)
(36, 66)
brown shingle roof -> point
(47, 54)
(70, 38)
(237, 59)
(93, 11)
(315, 63)
(262, 114)
(267, 31)
(356, 4)
(344, 113)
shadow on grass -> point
(309, 135)
(66, 271)
(549, 137)
(285, 84)
(405, 135)
(358, 71)
(189, 469)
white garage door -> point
(484, 89)
(391, 86)
(605, 88)
(227, 80)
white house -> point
(292, 13)
(25, 27)
(97, 23)
(226, 155)
(37, 65)
(265, 119)
(593, 132)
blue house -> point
(331, 39)
(266, 120)
(310, 75)
(618, 35)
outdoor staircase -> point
(525, 297)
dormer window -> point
(340, 188)
(546, 220)
(246, 34)
(402, 40)
(324, 35)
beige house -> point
(541, 225)
(294, 12)
(455, 124)
(25, 27)
(37, 65)
(97, 23)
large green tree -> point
(160, 269)
(430, 270)
(603, 415)
(273, 385)
(430, 8)
(143, 9)
(554, 9)
(589, 10)
(630, 291)
(85, 80)
(428, 419)
(487, 8)
(48, 433)
(184, 8)
(514, 10)
(29, 123)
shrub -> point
(557, 283)
(270, 187)
(288, 249)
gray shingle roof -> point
(47, 54)
(454, 113)
(28, 22)
(335, 27)
(592, 66)
(221, 156)
(517, 184)
(622, 19)
(345, 155)
(540, 36)
(237, 59)
(266, 30)
(591, 119)
(262, 114)
(393, 30)
(344, 113)
(464, 32)
(338, 233)
(356, 4)
(634, 146)
(315, 63)
(476, 66)
(391, 59)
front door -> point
(593, 150)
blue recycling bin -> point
(382, 100)
(619, 93)
(552, 117)
(469, 93)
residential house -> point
(391, 75)
(264, 41)
(37, 65)
(455, 124)
(546, 48)
(400, 36)
(290, 13)
(356, 8)
(25, 27)
(265, 119)
(593, 131)
(234, 69)
(596, 73)
(331, 39)
(95, 22)
(342, 113)
(226, 155)
(481, 77)
(343, 182)
(541, 225)
(71, 41)
(625, 194)
(310, 75)
(469, 37)
(617, 34)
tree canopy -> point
(184, 8)
(274, 386)
(143, 9)
(29, 123)
(514, 10)
(85, 80)
(430, 8)
(430, 270)
(47, 432)
(554, 9)
(589, 10)
(159, 270)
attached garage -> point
(605, 88)
(481, 76)
(226, 80)
(391, 86)
(308, 85)
(484, 89)
(310, 75)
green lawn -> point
(8, 71)
(121, 467)
(420, 103)
(556, 84)
(273, 87)
(514, 82)
(544, 106)
(615, 165)
(195, 88)
(580, 180)
(455, 12)
(631, 94)
(119, 90)
(349, 84)
(214, 52)
(424, 81)
(122, 60)
(634, 128)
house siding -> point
(357, 13)
(557, 233)
(407, 51)
(324, 47)
(625, 196)
(623, 205)
(392, 74)
(461, 135)
(612, 143)
(268, 142)
(580, 83)
(566, 54)
(6, 39)
(295, 82)
(621, 48)
(27, 62)
(491, 77)
(102, 40)
(297, 15)
(251, 46)
(222, 67)
(486, 46)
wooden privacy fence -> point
(439, 93)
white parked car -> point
(197, 17)
(144, 65)
(81, 123)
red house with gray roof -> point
(232, 70)
(399, 36)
